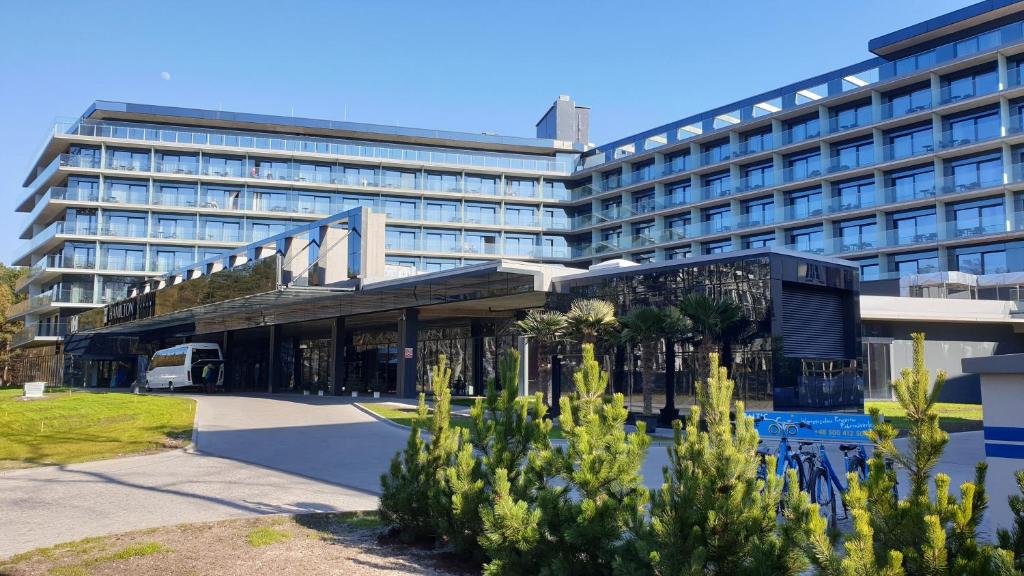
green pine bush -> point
(712, 515)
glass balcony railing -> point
(715, 191)
(957, 138)
(173, 233)
(746, 221)
(974, 229)
(949, 95)
(850, 203)
(749, 184)
(854, 244)
(127, 165)
(837, 124)
(923, 235)
(123, 230)
(900, 151)
(803, 212)
(796, 135)
(800, 174)
(123, 264)
(716, 227)
(36, 331)
(808, 247)
(309, 145)
(899, 109)
(840, 164)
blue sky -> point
(476, 66)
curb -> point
(379, 418)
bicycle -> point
(786, 457)
(824, 482)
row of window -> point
(280, 170)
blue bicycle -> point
(824, 482)
(785, 456)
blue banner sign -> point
(816, 426)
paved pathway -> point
(257, 455)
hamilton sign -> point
(137, 308)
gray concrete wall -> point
(945, 346)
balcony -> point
(955, 139)
(892, 110)
(48, 332)
(923, 235)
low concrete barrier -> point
(34, 389)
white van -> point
(182, 366)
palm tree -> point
(546, 329)
(589, 319)
(715, 322)
(647, 327)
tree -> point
(588, 493)
(590, 319)
(712, 515)
(8, 297)
(504, 431)
(1012, 538)
(412, 497)
(545, 329)
(647, 327)
(921, 534)
(715, 322)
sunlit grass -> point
(69, 427)
(261, 537)
(952, 417)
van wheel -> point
(170, 387)
(148, 388)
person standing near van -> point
(209, 377)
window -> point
(978, 217)
(856, 235)
(132, 160)
(976, 127)
(519, 245)
(611, 179)
(759, 212)
(168, 259)
(178, 164)
(481, 185)
(757, 141)
(269, 201)
(216, 166)
(401, 209)
(718, 185)
(479, 243)
(982, 260)
(400, 239)
(870, 270)
(443, 182)
(678, 253)
(970, 84)
(718, 247)
(126, 192)
(807, 239)
(400, 179)
(438, 241)
(261, 230)
(222, 231)
(314, 204)
(171, 227)
(481, 214)
(644, 202)
(643, 233)
(223, 198)
(803, 166)
(856, 194)
(850, 117)
(759, 241)
(804, 203)
(715, 152)
(123, 258)
(758, 176)
(975, 172)
(441, 211)
(800, 130)
(311, 173)
(914, 227)
(675, 226)
(611, 235)
(911, 184)
(88, 189)
(521, 188)
(174, 195)
(520, 216)
(82, 157)
(125, 225)
(853, 154)
(555, 190)
(909, 142)
(79, 256)
(439, 264)
(717, 219)
(678, 162)
(679, 193)
(916, 263)
(359, 176)
(908, 102)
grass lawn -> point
(68, 427)
(952, 417)
(306, 545)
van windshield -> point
(169, 358)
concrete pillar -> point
(273, 362)
(523, 344)
(333, 254)
(338, 348)
(669, 412)
(225, 342)
(408, 326)
(295, 258)
(556, 386)
(476, 334)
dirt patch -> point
(309, 544)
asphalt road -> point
(254, 455)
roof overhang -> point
(962, 21)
